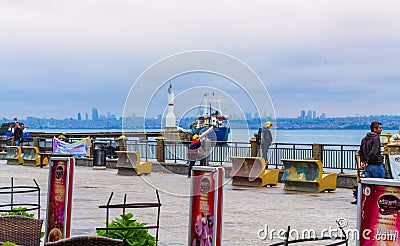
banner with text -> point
(80, 148)
(394, 161)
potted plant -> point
(129, 236)
(9, 244)
(20, 211)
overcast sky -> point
(58, 58)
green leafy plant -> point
(9, 244)
(21, 211)
(130, 237)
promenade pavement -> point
(246, 210)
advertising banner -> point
(378, 220)
(59, 198)
(80, 148)
(394, 161)
(206, 206)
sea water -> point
(346, 137)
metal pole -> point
(341, 159)
(276, 155)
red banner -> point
(379, 220)
(59, 200)
(206, 206)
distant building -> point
(87, 116)
(79, 116)
(302, 114)
(95, 114)
(248, 116)
(309, 114)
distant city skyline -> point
(59, 58)
(99, 115)
(111, 122)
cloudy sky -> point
(58, 58)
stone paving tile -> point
(246, 210)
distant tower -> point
(170, 119)
(309, 114)
(79, 116)
(302, 114)
(95, 114)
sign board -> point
(206, 206)
(394, 161)
(378, 220)
(80, 148)
(59, 198)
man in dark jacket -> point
(18, 131)
(370, 154)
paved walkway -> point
(246, 210)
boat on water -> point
(211, 117)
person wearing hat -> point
(266, 140)
(193, 153)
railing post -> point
(276, 155)
(91, 146)
(341, 159)
(294, 151)
(160, 149)
(147, 150)
(36, 142)
(175, 154)
(254, 147)
(317, 150)
(220, 155)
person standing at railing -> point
(370, 154)
(266, 140)
(18, 132)
(194, 154)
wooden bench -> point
(14, 155)
(31, 156)
(251, 171)
(129, 164)
(307, 175)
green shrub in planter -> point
(21, 211)
(9, 244)
(130, 237)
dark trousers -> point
(191, 164)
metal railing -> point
(340, 157)
(147, 149)
(334, 156)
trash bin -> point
(99, 155)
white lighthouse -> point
(170, 119)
